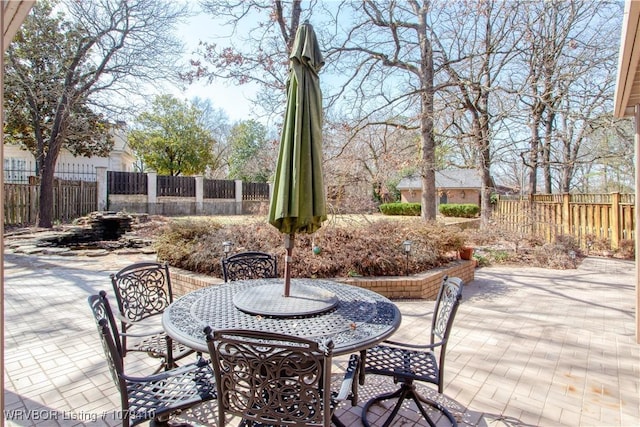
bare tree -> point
(478, 43)
(568, 46)
(611, 144)
(256, 50)
(475, 81)
(384, 57)
(97, 52)
(217, 121)
(388, 62)
(577, 122)
(373, 161)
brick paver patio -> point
(530, 347)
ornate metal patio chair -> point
(249, 265)
(409, 362)
(152, 397)
(143, 291)
(275, 379)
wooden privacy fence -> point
(219, 189)
(74, 199)
(183, 186)
(176, 186)
(255, 191)
(71, 200)
(587, 217)
(126, 182)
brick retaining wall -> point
(421, 286)
(418, 286)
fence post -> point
(152, 193)
(57, 200)
(615, 221)
(239, 196)
(101, 188)
(34, 204)
(199, 194)
(566, 214)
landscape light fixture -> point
(406, 245)
(226, 247)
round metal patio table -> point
(355, 318)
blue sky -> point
(230, 98)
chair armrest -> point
(349, 387)
(413, 346)
(181, 370)
(157, 328)
(122, 318)
(142, 334)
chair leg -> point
(169, 360)
(407, 390)
(400, 394)
(436, 405)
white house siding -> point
(20, 164)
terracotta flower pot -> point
(466, 253)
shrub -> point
(407, 209)
(555, 255)
(627, 249)
(179, 239)
(501, 256)
(467, 210)
(499, 247)
(597, 244)
(481, 260)
(373, 249)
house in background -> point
(20, 164)
(452, 185)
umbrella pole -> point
(288, 244)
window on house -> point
(443, 198)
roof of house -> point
(450, 178)
(628, 79)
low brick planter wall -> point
(184, 281)
(418, 286)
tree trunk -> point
(568, 165)
(485, 176)
(45, 210)
(428, 155)
(532, 161)
(428, 161)
(546, 152)
(483, 142)
(58, 134)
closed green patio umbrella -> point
(298, 203)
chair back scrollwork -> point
(446, 304)
(409, 362)
(271, 378)
(142, 290)
(108, 333)
(249, 265)
(150, 397)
